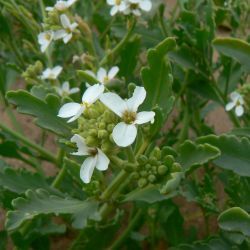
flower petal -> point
(144, 117)
(87, 169)
(114, 10)
(65, 86)
(114, 102)
(235, 96)
(59, 34)
(230, 106)
(239, 110)
(137, 99)
(81, 145)
(111, 2)
(65, 21)
(93, 93)
(74, 90)
(57, 70)
(69, 109)
(77, 115)
(101, 74)
(113, 72)
(146, 5)
(67, 38)
(124, 134)
(102, 161)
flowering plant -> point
(126, 152)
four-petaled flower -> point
(65, 89)
(68, 28)
(125, 132)
(51, 74)
(61, 5)
(96, 158)
(74, 110)
(44, 39)
(136, 6)
(118, 6)
(237, 103)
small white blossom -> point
(96, 158)
(104, 77)
(74, 110)
(61, 5)
(136, 6)
(65, 89)
(237, 103)
(125, 132)
(68, 28)
(44, 39)
(51, 74)
(117, 6)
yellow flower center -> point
(86, 104)
(93, 151)
(117, 2)
(105, 79)
(134, 6)
(129, 117)
(47, 36)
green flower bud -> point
(151, 178)
(143, 173)
(102, 125)
(135, 176)
(142, 159)
(91, 141)
(157, 153)
(131, 88)
(142, 182)
(176, 167)
(93, 113)
(153, 160)
(162, 170)
(93, 132)
(168, 160)
(110, 128)
(106, 146)
(102, 134)
(148, 166)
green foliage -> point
(41, 202)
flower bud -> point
(93, 132)
(102, 134)
(162, 170)
(131, 88)
(102, 125)
(176, 167)
(142, 159)
(168, 160)
(143, 173)
(110, 128)
(135, 176)
(91, 141)
(148, 166)
(151, 178)
(142, 182)
(153, 160)
(157, 153)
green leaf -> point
(19, 181)
(172, 184)
(3, 240)
(235, 220)
(192, 155)
(149, 194)
(235, 48)
(45, 111)
(41, 202)
(234, 152)
(241, 131)
(157, 77)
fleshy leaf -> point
(192, 155)
(41, 202)
(235, 220)
(157, 77)
(45, 111)
(235, 48)
(234, 152)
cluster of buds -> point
(96, 126)
(32, 72)
(155, 168)
(93, 189)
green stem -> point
(120, 45)
(118, 243)
(48, 156)
(60, 176)
(142, 148)
(130, 154)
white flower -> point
(125, 132)
(104, 77)
(65, 89)
(118, 6)
(74, 110)
(44, 39)
(237, 103)
(61, 5)
(51, 74)
(97, 159)
(136, 6)
(68, 28)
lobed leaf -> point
(235, 48)
(157, 77)
(192, 155)
(45, 110)
(235, 220)
(41, 202)
(234, 152)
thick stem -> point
(56, 183)
(48, 156)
